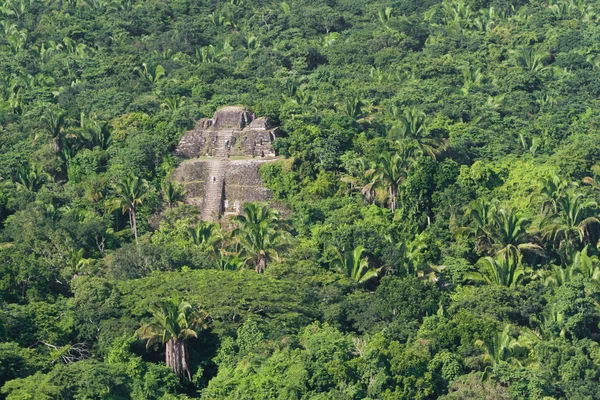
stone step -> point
(223, 144)
(212, 204)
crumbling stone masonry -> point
(226, 153)
(232, 131)
(236, 182)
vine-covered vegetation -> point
(439, 165)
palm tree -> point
(583, 265)
(552, 322)
(174, 323)
(595, 180)
(471, 77)
(152, 75)
(556, 275)
(30, 177)
(259, 234)
(571, 224)
(131, 192)
(586, 265)
(502, 230)
(98, 134)
(482, 215)
(499, 347)
(356, 169)
(457, 14)
(354, 265)
(414, 130)
(352, 107)
(173, 103)
(431, 272)
(54, 124)
(510, 234)
(503, 271)
(389, 173)
(529, 58)
(76, 263)
(228, 262)
(172, 193)
(205, 235)
(487, 19)
(502, 345)
(551, 190)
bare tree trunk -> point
(261, 264)
(393, 197)
(133, 223)
(56, 144)
(176, 358)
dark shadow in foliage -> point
(398, 306)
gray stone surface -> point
(232, 131)
(226, 152)
(220, 187)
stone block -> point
(231, 132)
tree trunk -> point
(393, 197)
(133, 223)
(56, 144)
(176, 358)
(261, 264)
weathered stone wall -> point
(232, 131)
(242, 182)
(193, 176)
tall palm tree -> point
(98, 134)
(259, 234)
(174, 323)
(356, 169)
(390, 172)
(502, 271)
(510, 235)
(354, 265)
(551, 189)
(413, 129)
(172, 193)
(54, 124)
(571, 224)
(131, 192)
(482, 215)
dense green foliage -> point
(439, 168)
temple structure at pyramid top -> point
(232, 131)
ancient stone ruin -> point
(224, 154)
(232, 131)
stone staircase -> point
(212, 205)
(223, 145)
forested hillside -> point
(438, 159)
